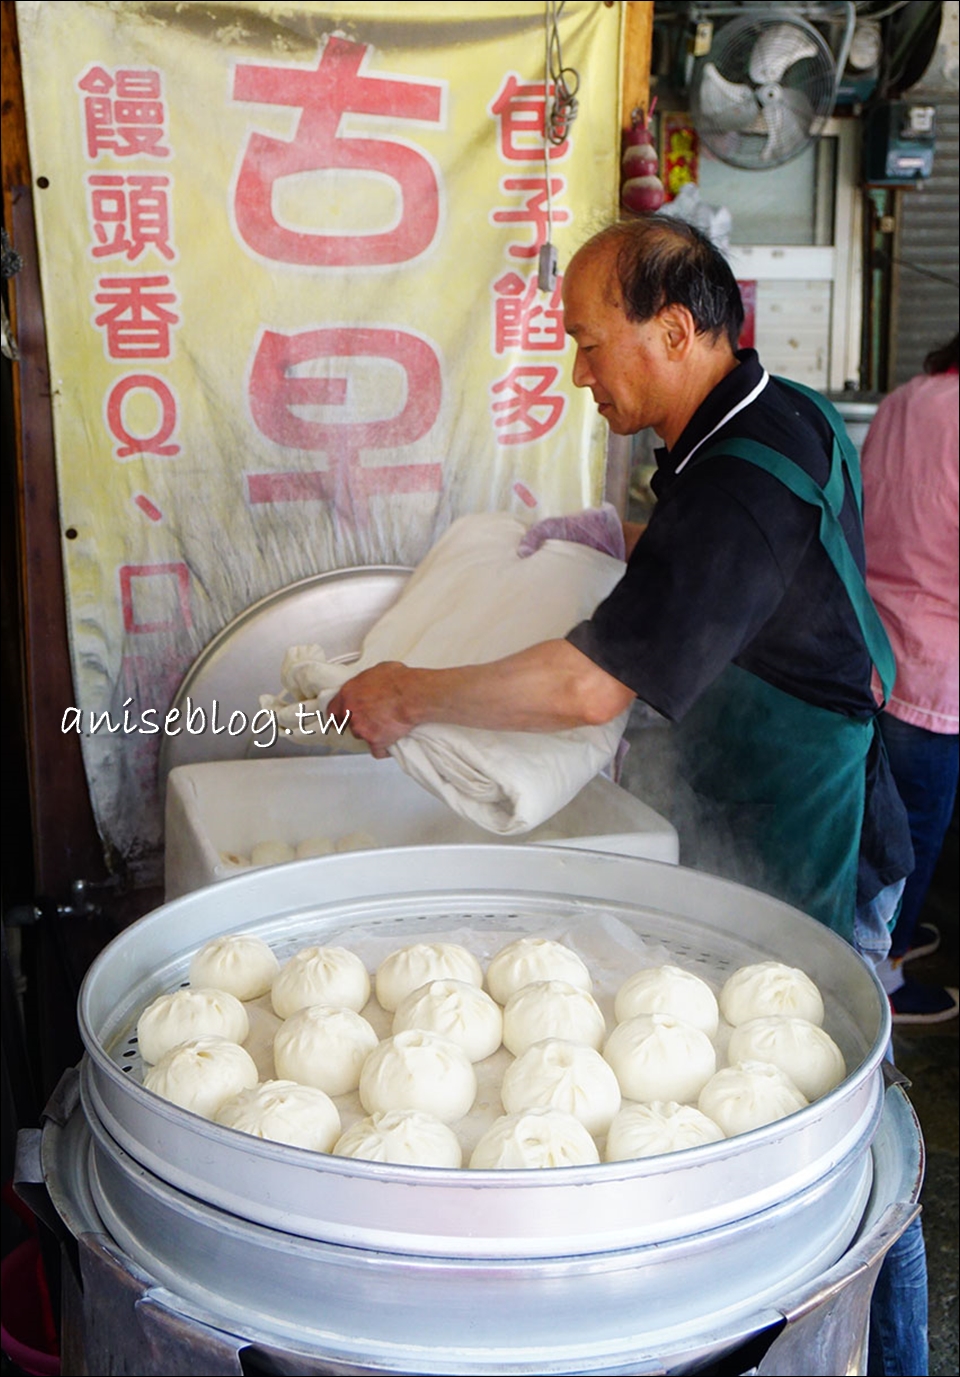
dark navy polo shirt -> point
(730, 568)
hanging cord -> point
(565, 81)
(558, 114)
(548, 19)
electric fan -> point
(763, 91)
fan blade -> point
(777, 48)
(789, 121)
(727, 105)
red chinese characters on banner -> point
(123, 113)
(524, 319)
(129, 214)
(520, 109)
(533, 212)
(274, 394)
(125, 116)
(155, 597)
(166, 403)
(524, 409)
(335, 87)
(137, 320)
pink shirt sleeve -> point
(910, 500)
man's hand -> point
(374, 701)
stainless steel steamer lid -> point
(407, 892)
(243, 660)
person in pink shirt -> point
(910, 488)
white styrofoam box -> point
(222, 809)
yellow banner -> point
(289, 257)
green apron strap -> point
(848, 450)
(829, 500)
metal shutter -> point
(926, 302)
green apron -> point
(789, 778)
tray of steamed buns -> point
(518, 1039)
(656, 1082)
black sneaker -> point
(926, 940)
(916, 1003)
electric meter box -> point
(898, 143)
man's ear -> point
(679, 331)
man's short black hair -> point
(666, 262)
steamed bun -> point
(407, 1137)
(284, 1112)
(418, 1070)
(200, 1075)
(770, 989)
(669, 990)
(657, 1057)
(189, 1013)
(324, 1047)
(314, 846)
(355, 841)
(406, 970)
(237, 962)
(551, 1009)
(556, 1074)
(457, 1010)
(749, 1095)
(530, 960)
(272, 852)
(807, 1054)
(321, 975)
(646, 1130)
(535, 1138)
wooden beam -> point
(66, 844)
(635, 59)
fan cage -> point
(808, 79)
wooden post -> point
(66, 845)
(635, 60)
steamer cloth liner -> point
(470, 601)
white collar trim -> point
(747, 400)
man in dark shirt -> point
(731, 612)
(742, 616)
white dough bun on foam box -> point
(225, 808)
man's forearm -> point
(549, 687)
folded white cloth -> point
(472, 600)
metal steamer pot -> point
(658, 1264)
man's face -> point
(623, 363)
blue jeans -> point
(898, 1343)
(873, 923)
(924, 766)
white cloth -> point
(473, 600)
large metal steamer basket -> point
(651, 1265)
